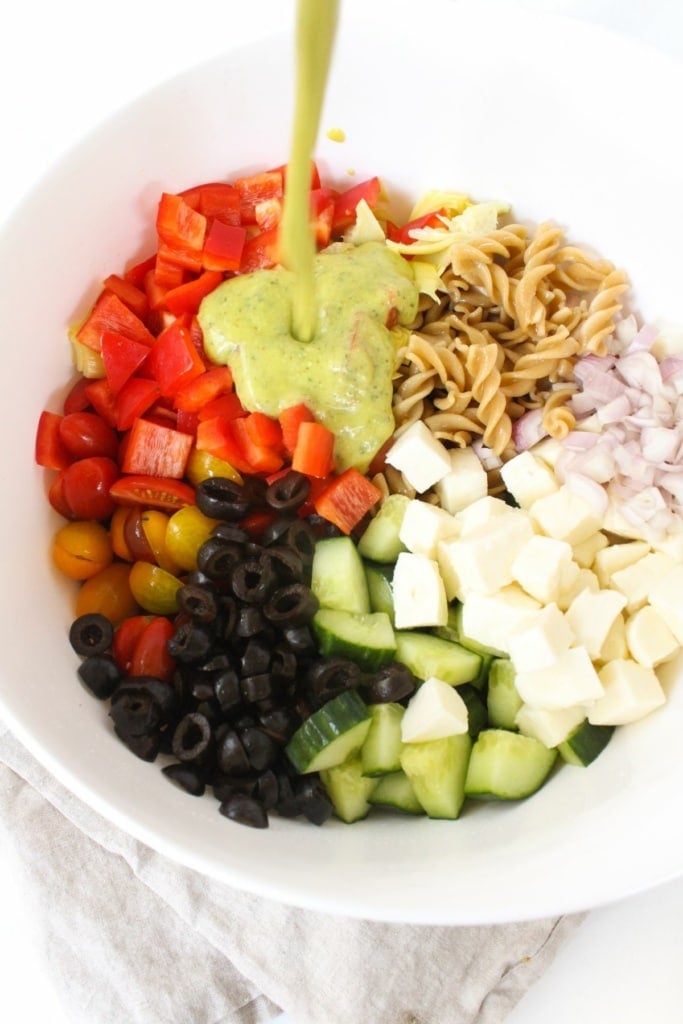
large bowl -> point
(564, 122)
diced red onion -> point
(528, 430)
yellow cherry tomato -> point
(202, 465)
(154, 526)
(81, 549)
(187, 530)
(154, 589)
(108, 593)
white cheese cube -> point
(585, 552)
(592, 615)
(528, 478)
(435, 711)
(420, 456)
(614, 522)
(464, 481)
(671, 545)
(541, 641)
(649, 639)
(424, 525)
(548, 450)
(631, 691)
(482, 560)
(615, 645)
(419, 593)
(549, 727)
(617, 556)
(565, 516)
(666, 598)
(543, 566)
(636, 581)
(571, 680)
(492, 619)
(574, 582)
(480, 511)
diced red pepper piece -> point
(217, 437)
(220, 202)
(111, 314)
(224, 246)
(187, 297)
(314, 451)
(290, 420)
(174, 360)
(152, 492)
(187, 422)
(136, 396)
(346, 203)
(103, 400)
(155, 450)
(261, 251)
(315, 174)
(129, 293)
(253, 188)
(121, 357)
(263, 430)
(402, 234)
(268, 213)
(258, 457)
(194, 395)
(50, 450)
(346, 499)
(168, 272)
(137, 273)
(181, 229)
(228, 406)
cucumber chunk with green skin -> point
(427, 655)
(331, 734)
(437, 770)
(477, 714)
(502, 699)
(507, 766)
(585, 743)
(380, 541)
(368, 640)
(338, 576)
(380, 591)
(348, 789)
(396, 790)
(381, 751)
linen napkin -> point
(130, 937)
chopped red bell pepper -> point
(111, 314)
(255, 187)
(346, 499)
(346, 203)
(217, 437)
(50, 450)
(402, 234)
(197, 393)
(187, 297)
(223, 246)
(259, 458)
(122, 357)
(137, 273)
(261, 251)
(228, 406)
(129, 293)
(156, 450)
(268, 213)
(103, 400)
(290, 420)
(220, 202)
(181, 230)
(174, 360)
(263, 430)
(136, 396)
(322, 212)
(314, 451)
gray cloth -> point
(129, 937)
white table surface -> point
(624, 964)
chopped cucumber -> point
(507, 766)
(428, 655)
(503, 700)
(338, 576)
(380, 541)
(396, 790)
(380, 592)
(348, 789)
(331, 734)
(477, 715)
(437, 770)
(367, 639)
(585, 743)
(381, 751)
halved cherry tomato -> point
(77, 398)
(82, 549)
(86, 485)
(50, 450)
(85, 433)
(126, 638)
(152, 491)
(103, 400)
(150, 655)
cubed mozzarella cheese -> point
(482, 560)
(419, 593)
(631, 691)
(480, 511)
(570, 680)
(565, 515)
(548, 450)
(618, 556)
(672, 545)
(574, 582)
(549, 727)
(585, 552)
(615, 645)
(666, 597)
(435, 711)
(492, 619)
(542, 567)
(528, 478)
(420, 456)
(540, 641)
(464, 481)
(424, 525)
(592, 615)
(637, 580)
(649, 639)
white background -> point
(63, 68)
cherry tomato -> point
(86, 484)
(150, 655)
(126, 638)
(55, 496)
(84, 434)
(117, 527)
(81, 549)
(154, 589)
(109, 594)
(152, 491)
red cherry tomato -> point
(126, 638)
(84, 434)
(150, 655)
(85, 487)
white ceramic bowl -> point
(562, 121)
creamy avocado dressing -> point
(344, 374)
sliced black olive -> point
(300, 639)
(280, 723)
(287, 804)
(313, 801)
(253, 581)
(395, 682)
(250, 621)
(145, 747)
(91, 634)
(221, 498)
(256, 657)
(283, 663)
(331, 676)
(245, 810)
(231, 757)
(161, 691)
(266, 791)
(227, 689)
(288, 565)
(192, 738)
(276, 529)
(288, 492)
(101, 674)
(258, 687)
(225, 786)
(230, 532)
(291, 606)
(187, 777)
(199, 602)
(260, 748)
(135, 714)
(301, 538)
(190, 644)
(217, 558)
